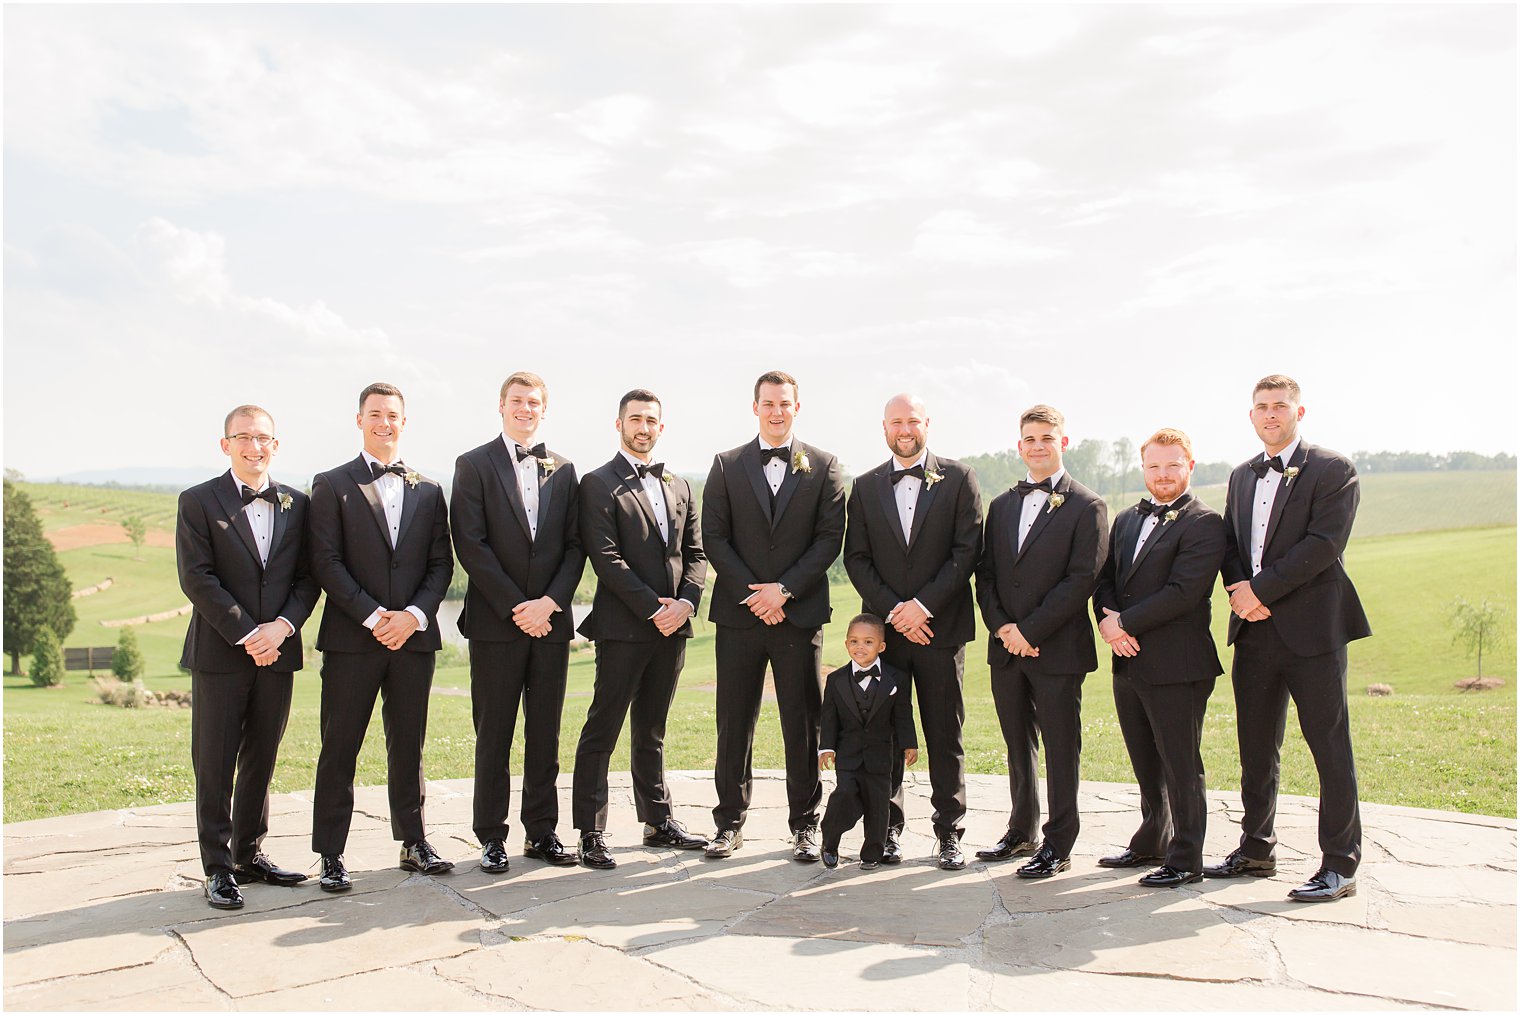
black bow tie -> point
(1261, 467)
(873, 672)
(1025, 487)
(766, 454)
(657, 470)
(898, 474)
(269, 493)
(536, 451)
(1150, 507)
(377, 470)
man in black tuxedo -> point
(1152, 605)
(772, 523)
(513, 516)
(240, 543)
(1288, 515)
(380, 549)
(1045, 540)
(639, 526)
(912, 537)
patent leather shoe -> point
(869, 865)
(594, 852)
(493, 857)
(334, 876)
(222, 891)
(671, 834)
(1008, 847)
(950, 856)
(725, 843)
(1324, 886)
(830, 858)
(1238, 865)
(1129, 858)
(421, 857)
(1167, 876)
(261, 868)
(1044, 865)
(550, 850)
(805, 844)
(891, 852)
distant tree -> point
(1476, 626)
(137, 531)
(1209, 473)
(127, 661)
(37, 592)
(47, 659)
(1121, 458)
(1087, 462)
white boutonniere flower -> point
(1056, 500)
(932, 476)
(800, 462)
(1289, 473)
(413, 478)
(286, 500)
(548, 465)
(667, 478)
(1170, 516)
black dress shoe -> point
(493, 857)
(724, 844)
(421, 857)
(334, 876)
(950, 856)
(1129, 858)
(869, 865)
(1167, 876)
(1008, 847)
(594, 852)
(671, 834)
(1238, 865)
(260, 868)
(549, 849)
(892, 852)
(1044, 865)
(830, 858)
(1324, 886)
(805, 844)
(222, 891)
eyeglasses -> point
(245, 439)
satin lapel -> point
(1285, 488)
(789, 484)
(411, 496)
(1162, 530)
(501, 461)
(546, 488)
(1129, 534)
(880, 698)
(886, 495)
(670, 514)
(365, 480)
(227, 497)
(749, 460)
(280, 523)
(1243, 489)
(1042, 519)
(846, 687)
(925, 498)
(636, 490)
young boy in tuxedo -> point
(867, 714)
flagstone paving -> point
(104, 911)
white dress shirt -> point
(527, 482)
(905, 492)
(1261, 505)
(392, 490)
(654, 492)
(1148, 526)
(775, 468)
(260, 515)
(1034, 503)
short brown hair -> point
(527, 380)
(1283, 381)
(381, 388)
(639, 395)
(777, 377)
(1042, 414)
(869, 620)
(245, 410)
(1170, 435)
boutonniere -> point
(667, 478)
(413, 478)
(1056, 500)
(286, 500)
(932, 476)
(1289, 473)
(548, 465)
(1170, 516)
(800, 462)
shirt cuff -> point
(921, 606)
(421, 617)
(371, 620)
(250, 634)
(289, 625)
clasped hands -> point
(766, 602)
(532, 616)
(393, 628)
(672, 616)
(911, 620)
(826, 758)
(265, 641)
(1244, 604)
(1014, 641)
(1120, 641)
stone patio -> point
(104, 911)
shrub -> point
(127, 661)
(47, 659)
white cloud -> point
(960, 237)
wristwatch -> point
(786, 593)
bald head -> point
(906, 426)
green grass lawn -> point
(1428, 746)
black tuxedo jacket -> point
(352, 558)
(936, 566)
(508, 566)
(634, 566)
(231, 592)
(1163, 594)
(1303, 576)
(1045, 587)
(871, 740)
(793, 542)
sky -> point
(1129, 212)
